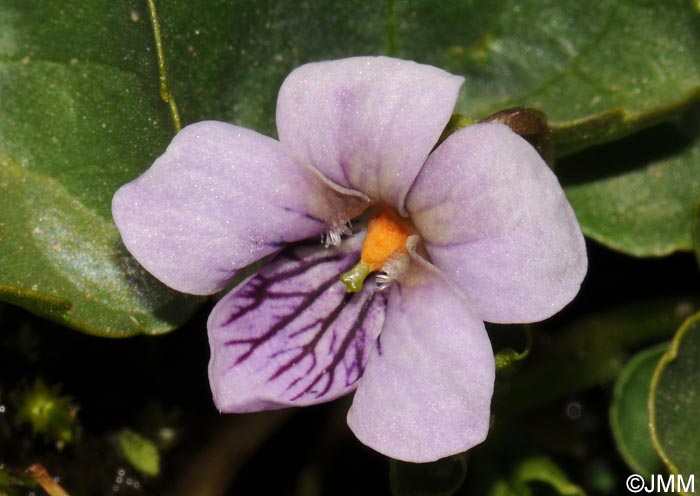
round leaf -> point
(638, 195)
(674, 402)
(629, 417)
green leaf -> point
(629, 417)
(638, 195)
(593, 72)
(441, 478)
(674, 402)
(597, 75)
(140, 452)
(536, 476)
(81, 115)
(229, 60)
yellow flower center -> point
(386, 238)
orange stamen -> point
(386, 237)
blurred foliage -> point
(511, 348)
(47, 412)
(534, 476)
(140, 452)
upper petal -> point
(427, 388)
(367, 123)
(495, 219)
(290, 334)
(220, 198)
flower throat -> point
(386, 239)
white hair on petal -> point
(335, 235)
(392, 268)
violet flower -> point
(478, 230)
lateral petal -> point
(290, 335)
(220, 198)
(494, 218)
(366, 123)
(426, 391)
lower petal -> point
(426, 391)
(290, 335)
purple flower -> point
(478, 230)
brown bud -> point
(531, 124)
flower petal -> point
(220, 198)
(426, 391)
(495, 219)
(291, 335)
(366, 123)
